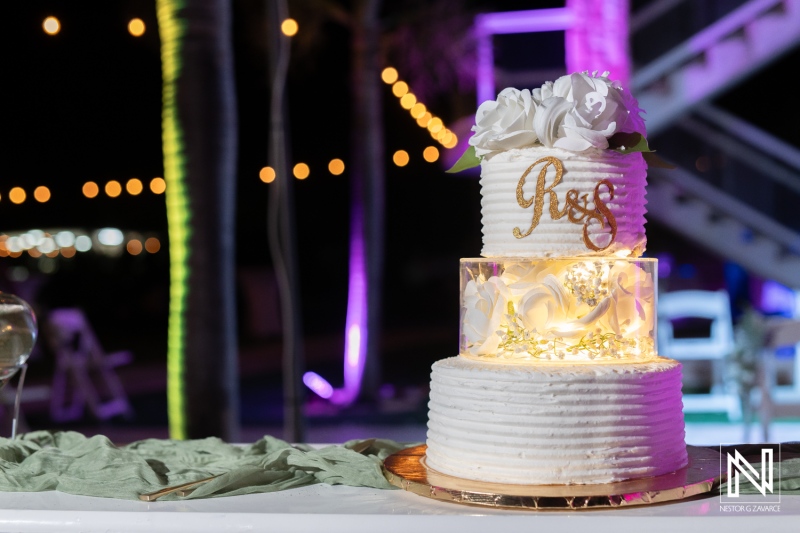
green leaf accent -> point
(468, 160)
(628, 143)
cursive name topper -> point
(575, 207)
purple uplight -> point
(318, 384)
(355, 344)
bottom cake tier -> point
(555, 423)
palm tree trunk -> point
(199, 121)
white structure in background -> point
(596, 38)
(708, 305)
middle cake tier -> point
(579, 308)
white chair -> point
(84, 374)
(778, 400)
(709, 305)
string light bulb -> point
(289, 27)
(136, 27)
(389, 75)
(51, 25)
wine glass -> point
(17, 337)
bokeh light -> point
(399, 89)
(51, 25)
(418, 110)
(289, 27)
(408, 100)
(336, 167)
(152, 245)
(430, 154)
(17, 195)
(423, 121)
(301, 171)
(453, 141)
(41, 194)
(134, 247)
(389, 75)
(267, 174)
(400, 158)
(435, 125)
(68, 252)
(90, 189)
(136, 27)
(113, 188)
(134, 186)
(158, 185)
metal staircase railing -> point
(714, 59)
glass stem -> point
(17, 400)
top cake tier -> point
(563, 169)
(549, 202)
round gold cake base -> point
(406, 469)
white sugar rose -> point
(522, 277)
(546, 308)
(581, 111)
(485, 308)
(504, 123)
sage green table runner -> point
(72, 463)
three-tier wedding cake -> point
(557, 380)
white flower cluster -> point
(576, 112)
(538, 303)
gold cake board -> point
(406, 469)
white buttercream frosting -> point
(555, 423)
(582, 171)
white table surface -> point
(335, 509)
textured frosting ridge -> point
(582, 171)
(555, 423)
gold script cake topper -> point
(575, 207)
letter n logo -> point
(739, 465)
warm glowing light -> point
(136, 27)
(14, 254)
(134, 186)
(33, 252)
(113, 188)
(430, 154)
(158, 185)
(408, 100)
(68, 252)
(267, 174)
(17, 195)
(336, 167)
(51, 25)
(152, 245)
(90, 189)
(389, 75)
(423, 121)
(400, 158)
(399, 89)
(418, 110)
(41, 193)
(54, 253)
(301, 171)
(435, 125)
(134, 246)
(289, 27)
(452, 143)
